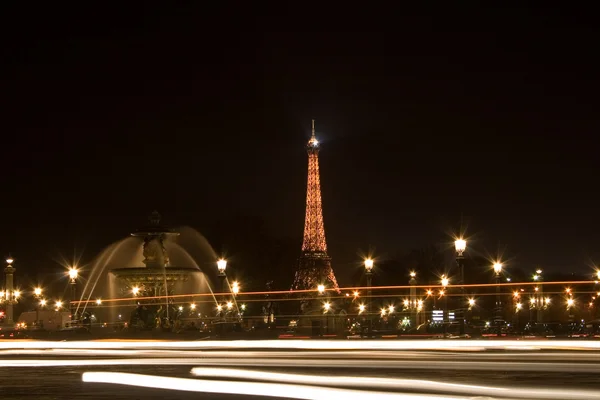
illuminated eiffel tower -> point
(314, 265)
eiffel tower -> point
(314, 265)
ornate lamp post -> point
(540, 295)
(498, 309)
(413, 297)
(445, 281)
(37, 294)
(73, 274)
(497, 271)
(460, 245)
(369, 272)
(222, 266)
(9, 291)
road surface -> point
(300, 369)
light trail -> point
(433, 345)
(302, 392)
(94, 363)
(571, 367)
(357, 356)
(396, 384)
(557, 367)
(348, 289)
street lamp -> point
(539, 278)
(471, 303)
(413, 298)
(37, 293)
(369, 264)
(445, 282)
(321, 289)
(135, 290)
(460, 245)
(497, 270)
(9, 297)
(222, 266)
(73, 274)
(235, 288)
(98, 302)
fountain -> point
(168, 290)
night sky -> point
(484, 116)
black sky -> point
(203, 113)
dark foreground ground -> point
(66, 383)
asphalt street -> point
(182, 370)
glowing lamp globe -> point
(73, 273)
(445, 281)
(460, 245)
(369, 264)
(497, 267)
(222, 265)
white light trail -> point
(249, 388)
(572, 367)
(433, 345)
(395, 384)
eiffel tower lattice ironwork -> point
(314, 265)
